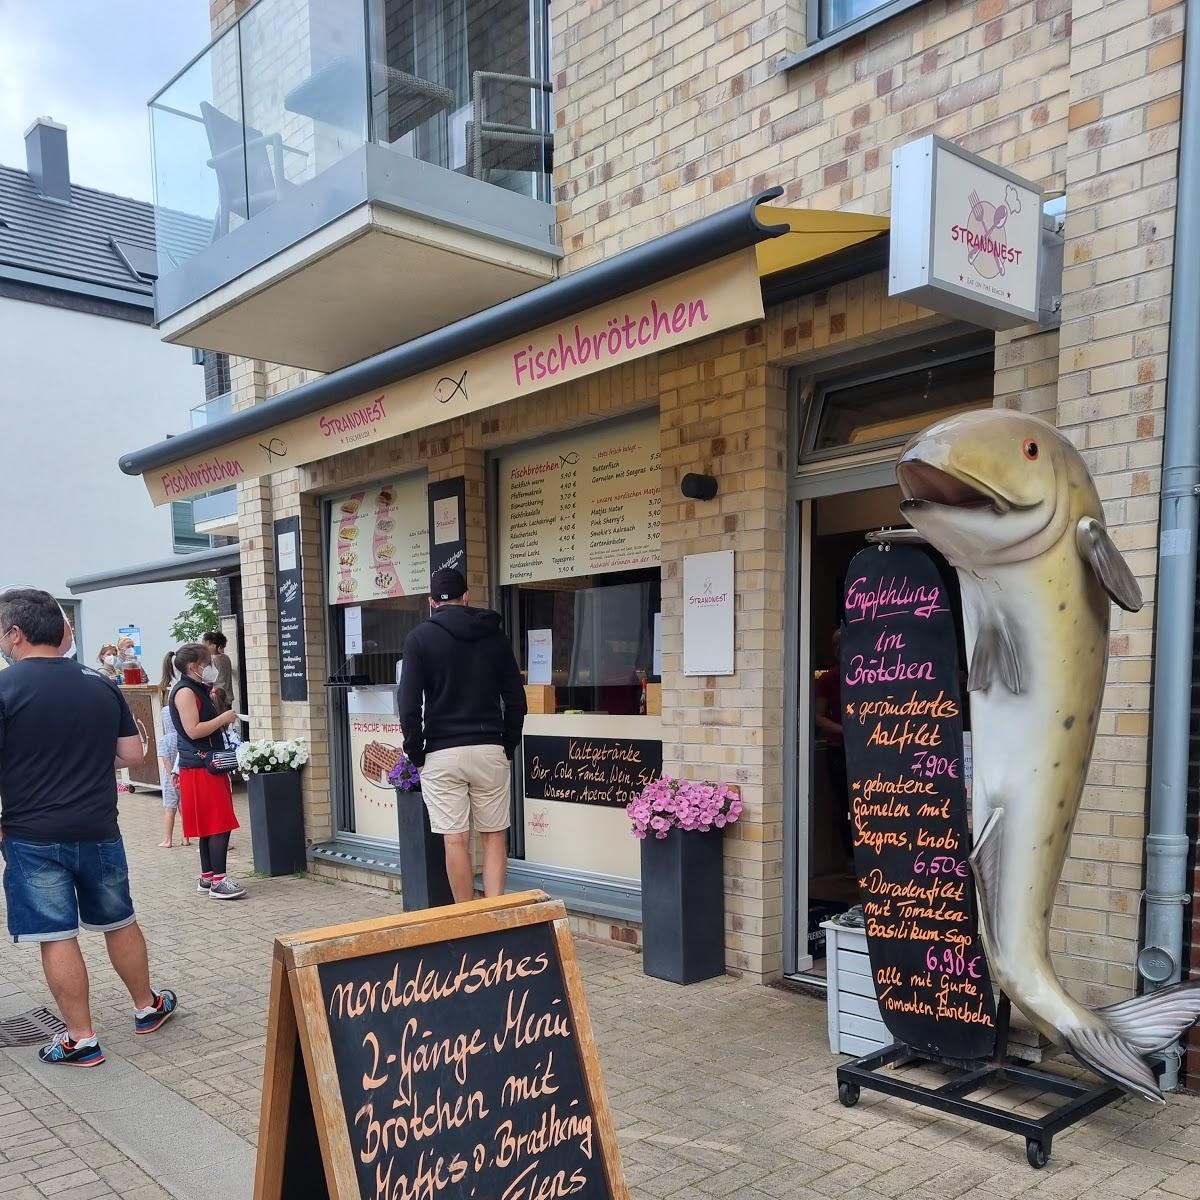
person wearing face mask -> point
(205, 799)
(106, 662)
(63, 728)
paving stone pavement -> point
(722, 1089)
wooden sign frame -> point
(297, 1013)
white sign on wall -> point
(966, 236)
(708, 613)
(541, 656)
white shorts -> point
(465, 786)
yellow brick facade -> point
(665, 112)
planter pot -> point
(423, 880)
(277, 823)
(683, 906)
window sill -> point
(848, 32)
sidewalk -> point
(721, 1089)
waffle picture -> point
(378, 759)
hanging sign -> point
(693, 305)
(379, 543)
(966, 236)
(289, 603)
(446, 1052)
(902, 725)
(708, 613)
(448, 525)
(583, 504)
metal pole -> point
(1160, 961)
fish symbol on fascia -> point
(1009, 501)
(447, 388)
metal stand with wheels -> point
(1080, 1100)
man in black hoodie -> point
(462, 706)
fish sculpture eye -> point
(1030, 449)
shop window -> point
(869, 408)
(590, 640)
(385, 625)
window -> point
(866, 408)
(184, 538)
(385, 625)
(601, 638)
(832, 22)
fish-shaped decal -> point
(1010, 503)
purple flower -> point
(404, 777)
(668, 803)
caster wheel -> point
(848, 1094)
(1036, 1153)
(130, 788)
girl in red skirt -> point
(205, 799)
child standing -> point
(168, 752)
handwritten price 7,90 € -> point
(930, 766)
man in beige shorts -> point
(462, 705)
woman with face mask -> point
(106, 662)
(205, 800)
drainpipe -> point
(1161, 959)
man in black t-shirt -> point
(64, 728)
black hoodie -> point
(461, 667)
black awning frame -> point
(701, 242)
(224, 560)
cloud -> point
(92, 65)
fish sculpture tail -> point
(1115, 1046)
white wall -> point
(76, 391)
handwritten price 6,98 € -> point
(952, 962)
(933, 765)
(939, 864)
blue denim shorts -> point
(53, 888)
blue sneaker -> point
(65, 1052)
(165, 1004)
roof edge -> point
(224, 560)
(723, 233)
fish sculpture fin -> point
(1110, 569)
(1108, 1054)
(985, 866)
(1132, 1029)
(995, 655)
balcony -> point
(334, 177)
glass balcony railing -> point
(296, 87)
(212, 411)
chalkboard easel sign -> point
(447, 1052)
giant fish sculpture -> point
(1009, 502)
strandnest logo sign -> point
(708, 614)
(966, 236)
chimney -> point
(46, 158)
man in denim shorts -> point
(462, 706)
(64, 729)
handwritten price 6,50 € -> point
(939, 864)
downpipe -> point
(1160, 961)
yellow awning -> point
(815, 234)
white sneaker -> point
(226, 890)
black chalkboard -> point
(460, 1070)
(581, 770)
(289, 585)
(902, 724)
(448, 525)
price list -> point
(902, 725)
(583, 505)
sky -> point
(92, 65)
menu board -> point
(379, 543)
(446, 1053)
(902, 725)
(289, 585)
(581, 770)
(585, 504)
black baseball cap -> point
(447, 584)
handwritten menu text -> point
(460, 1071)
(902, 725)
(604, 771)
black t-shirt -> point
(59, 724)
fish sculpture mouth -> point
(924, 485)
